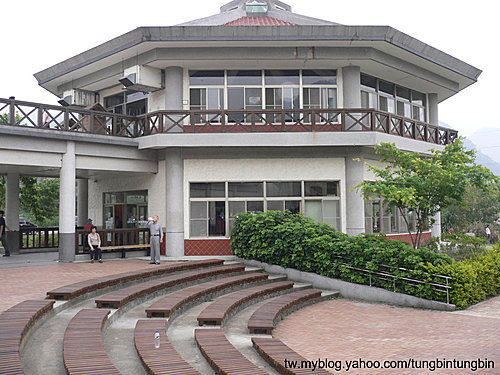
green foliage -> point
(459, 246)
(473, 280)
(295, 241)
(425, 184)
(39, 199)
(477, 208)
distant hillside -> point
(483, 159)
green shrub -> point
(295, 241)
(474, 279)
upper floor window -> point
(132, 103)
(386, 96)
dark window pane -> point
(216, 218)
(207, 190)
(246, 189)
(275, 205)
(206, 77)
(195, 97)
(133, 96)
(111, 101)
(319, 77)
(282, 77)
(293, 206)
(403, 92)
(244, 77)
(283, 189)
(257, 206)
(235, 98)
(321, 189)
(386, 87)
(418, 97)
(369, 81)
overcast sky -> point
(37, 34)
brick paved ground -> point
(350, 330)
(22, 283)
(337, 330)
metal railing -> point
(38, 237)
(394, 278)
(18, 113)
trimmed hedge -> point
(295, 241)
(474, 279)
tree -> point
(425, 184)
(477, 209)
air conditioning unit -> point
(141, 78)
(78, 97)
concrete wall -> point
(351, 290)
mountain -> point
(482, 158)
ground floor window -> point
(215, 205)
(380, 218)
(125, 209)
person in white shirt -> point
(95, 245)
(488, 233)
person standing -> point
(95, 245)
(156, 237)
(488, 233)
(3, 237)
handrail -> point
(73, 119)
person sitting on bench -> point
(95, 245)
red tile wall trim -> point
(207, 247)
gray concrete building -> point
(253, 109)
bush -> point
(474, 279)
(295, 241)
(459, 246)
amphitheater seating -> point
(74, 290)
(118, 298)
(164, 360)
(263, 319)
(14, 324)
(219, 310)
(84, 352)
(165, 306)
(222, 355)
(274, 351)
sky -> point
(37, 34)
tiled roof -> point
(259, 21)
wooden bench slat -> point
(264, 318)
(122, 296)
(74, 290)
(222, 355)
(217, 311)
(164, 360)
(83, 348)
(274, 351)
(14, 324)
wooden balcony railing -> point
(18, 113)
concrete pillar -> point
(174, 92)
(67, 205)
(82, 198)
(434, 120)
(174, 165)
(433, 109)
(351, 88)
(12, 211)
(355, 204)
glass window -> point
(207, 190)
(282, 77)
(417, 98)
(369, 81)
(319, 77)
(403, 92)
(217, 218)
(246, 189)
(283, 189)
(321, 189)
(275, 205)
(368, 100)
(244, 77)
(293, 206)
(236, 98)
(386, 87)
(206, 77)
(114, 100)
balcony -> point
(71, 119)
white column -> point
(67, 205)
(355, 204)
(174, 165)
(174, 92)
(82, 198)
(351, 88)
(12, 210)
(434, 120)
